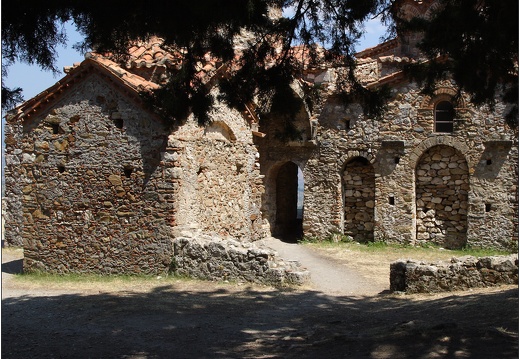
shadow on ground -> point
(13, 267)
(221, 323)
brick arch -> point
(442, 94)
(432, 9)
(416, 9)
(447, 140)
(409, 11)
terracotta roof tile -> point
(120, 76)
(153, 54)
(132, 80)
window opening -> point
(239, 167)
(391, 200)
(488, 162)
(118, 122)
(128, 171)
(61, 168)
(444, 114)
(396, 160)
(488, 207)
(55, 128)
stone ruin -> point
(209, 258)
(461, 273)
(96, 183)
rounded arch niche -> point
(441, 197)
(358, 180)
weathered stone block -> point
(215, 258)
(115, 180)
(458, 274)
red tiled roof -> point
(378, 49)
(131, 83)
(153, 54)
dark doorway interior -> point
(288, 225)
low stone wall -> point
(211, 258)
(462, 273)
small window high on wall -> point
(444, 114)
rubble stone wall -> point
(220, 184)
(215, 258)
(275, 152)
(442, 184)
(98, 184)
(92, 186)
(359, 187)
(475, 185)
(459, 274)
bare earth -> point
(346, 312)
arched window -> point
(444, 114)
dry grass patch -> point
(373, 259)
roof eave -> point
(121, 78)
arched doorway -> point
(359, 199)
(289, 208)
(441, 197)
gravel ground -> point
(173, 318)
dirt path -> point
(172, 318)
(327, 275)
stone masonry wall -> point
(442, 184)
(275, 152)
(15, 179)
(359, 187)
(220, 187)
(476, 184)
(100, 185)
(482, 169)
(91, 183)
(459, 274)
(215, 258)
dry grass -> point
(373, 260)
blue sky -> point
(34, 80)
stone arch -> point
(358, 190)
(434, 7)
(441, 196)
(446, 140)
(281, 125)
(349, 155)
(219, 130)
(443, 94)
(409, 11)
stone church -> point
(95, 182)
